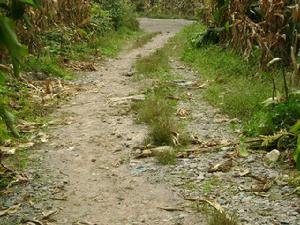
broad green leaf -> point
(8, 119)
(34, 3)
(9, 40)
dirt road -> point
(92, 153)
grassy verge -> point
(236, 86)
(51, 61)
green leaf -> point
(9, 40)
(298, 163)
(2, 77)
(8, 119)
(34, 3)
(296, 128)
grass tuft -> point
(166, 157)
(158, 113)
(154, 66)
(215, 217)
(144, 39)
(158, 110)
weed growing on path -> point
(141, 41)
(215, 217)
(159, 108)
(166, 157)
(154, 66)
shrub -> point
(101, 21)
(282, 115)
(121, 13)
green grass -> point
(141, 41)
(236, 86)
(154, 66)
(158, 110)
(166, 157)
(158, 113)
(47, 65)
(110, 45)
(210, 184)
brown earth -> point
(91, 154)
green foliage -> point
(101, 20)
(155, 65)
(210, 36)
(167, 9)
(216, 217)
(144, 39)
(120, 12)
(281, 115)
(158, 112)
(296, 131)
(10, 11)
(235, 86)
(48, 66)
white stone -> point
(273, 155)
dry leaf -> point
(221, 167)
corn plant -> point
(10, 12)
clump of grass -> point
(166, 157)
(158, 110)
(49, 66)
(110, 45)
(215, 217)
(141, 41)
(158, 113)
(294, 181)
(238, 98)
(154, 66)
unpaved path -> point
(91, 154)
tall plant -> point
(10, 12)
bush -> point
(121, 13)
(278, 116)
(101, 22)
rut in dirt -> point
(91, 154)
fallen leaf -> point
(244, 172)
(182, 113)
(221, 167)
